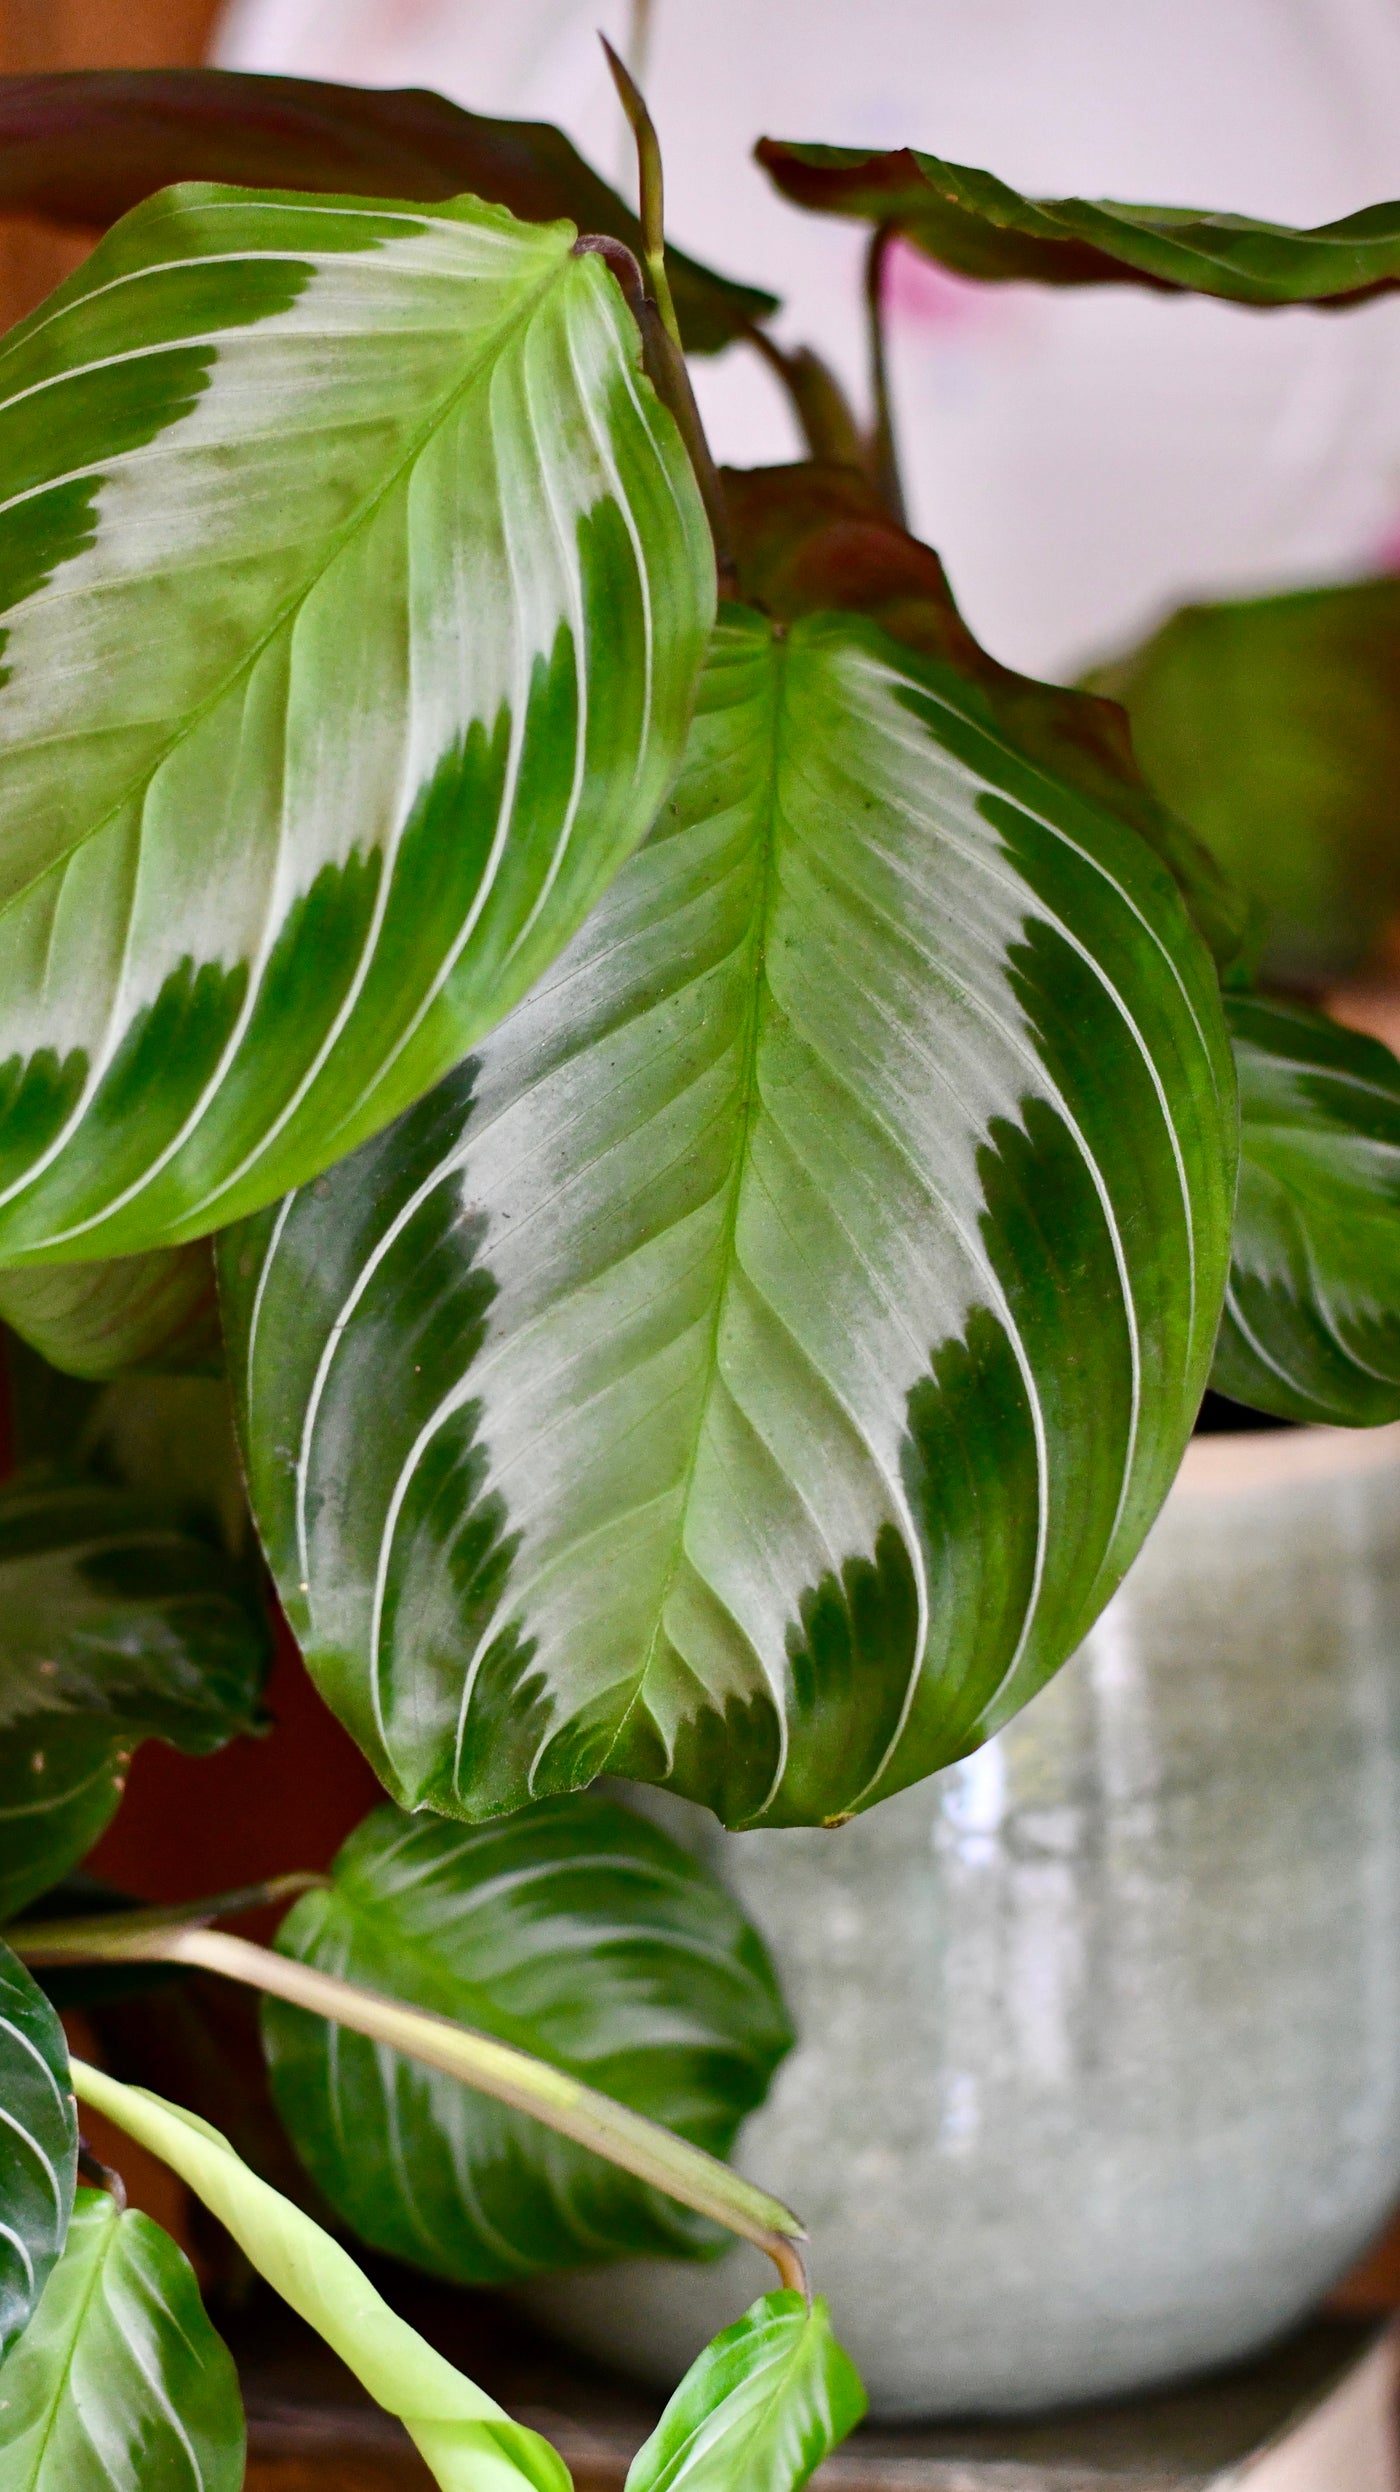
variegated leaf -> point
(353, 586)
(38, 2147)
(754, 1369)
(1312, 1314)
(155, 1314)
(116, 1625)
(120, 2383)
(574, 1930)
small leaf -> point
(120, 2381)
(760, 2409)
(469, 2443)
(816, 538)
(753, 1370)
(1273, 725)
(115, 1626)
(354, 587)
(973, 223)
(38, 2146)
(156, 1313)
(1312, 1314)
(83, 146)
(575, 1930)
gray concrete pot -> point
(1099, 2071)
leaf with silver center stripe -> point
(353, 587)
(38, 2146)
(120, 2381)
(754, 1369)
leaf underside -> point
(1312, 1314)
(353, 588)
(155, 1314)
(38, 2146)
(117, 1624)
(120, 2381)
(1273, 725)
(761, 2407)
(84, 146)
(753, 1370)
(971, 222)
(576, 1931)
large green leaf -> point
(153, 1314)
(466, 2439)
(83, 146)
(120, 2384)
(1273, 725)
(760, 2408)
(816, 538)
(1312, 1312)
(116, 1625)
(754, 1369)
(574, 1930)
(38, 2146)
(354, 587)
(971, 222)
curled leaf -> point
(973, 223)
(468, 2442)
(153, 1314)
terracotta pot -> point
(1099, 2077)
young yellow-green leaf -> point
(971, 222)
(1312, 1313)
(38, 2146)
(760, 2408)
(468, 2442)
(753, 1370)
(85, 145)
(119, 2383)
(117, 1624)
(155, 1314)
(575, 1930)
(353, 587)
(1273, 725)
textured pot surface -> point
(1099, 2077)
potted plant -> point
(719, 1140)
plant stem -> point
(651, 189)
(884, 455)
(828, 421)
(640, 2146)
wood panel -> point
(83, 34)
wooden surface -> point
(310, 2429)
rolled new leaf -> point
(760, 2408)
(574, 1930)
(753, 1370)
(120, 2383)
(38, 2146)
(978, 226)
(354, 587)
(83, 146)
(468, 2442)
(154, 1314)
(1273, 725)
(1311, 1329)
(117, 1624)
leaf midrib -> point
(65, 2376)
(362, 517)
(776, 658)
